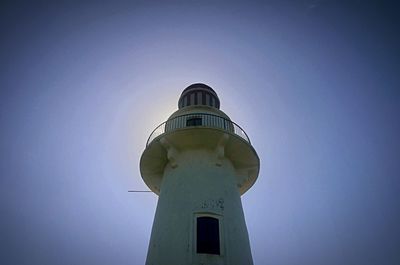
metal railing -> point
(197, 120)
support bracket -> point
(172, 152)
(220, 149)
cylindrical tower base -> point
(199, 217)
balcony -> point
(194, 120)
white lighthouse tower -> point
(199, 162)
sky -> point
(315, 84)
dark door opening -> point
(208, 235)
(196, 121)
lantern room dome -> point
(198, 94)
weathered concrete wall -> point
(197, 186)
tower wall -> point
(194, 186)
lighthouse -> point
(199, 162)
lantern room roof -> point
(198, 94)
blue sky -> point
(313, 83)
